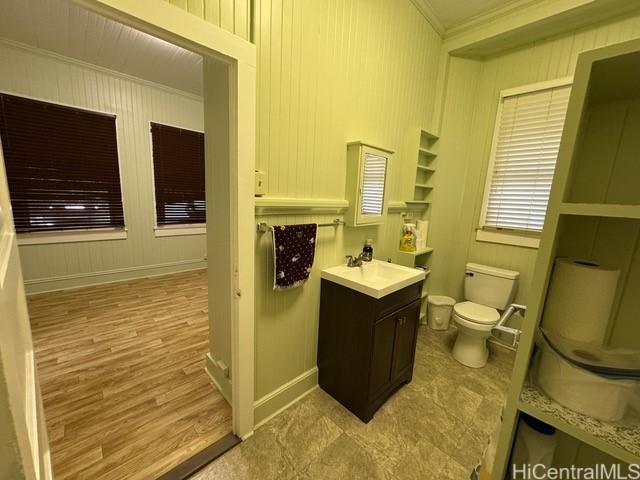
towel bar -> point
(264, 227)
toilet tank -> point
(490, 286)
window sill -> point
(71, 236)
(507, 238)
(199, 229)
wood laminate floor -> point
(121, 369)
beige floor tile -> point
(436, 427)
(304, 432)
(260, 457)
(344, 459)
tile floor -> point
(436, 427)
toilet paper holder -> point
(513, 333)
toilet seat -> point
(476, 313)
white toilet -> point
(487, 290)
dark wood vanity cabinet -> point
(366, 346)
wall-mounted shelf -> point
(429, 136)
(600, 210)
(427, 152)
(422, 251)
(620, 442)
(425, 168)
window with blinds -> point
(62, 166)
(526, 141)
(373, 181)
(178, 169)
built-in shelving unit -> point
(622, 443)
(417, 253)
(600, 210)
(425, 168)
(426, 164)
(593, 214)
(418, 259)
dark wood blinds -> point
(178, 168)
(62, 166)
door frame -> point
(230, 118)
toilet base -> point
(471, 349)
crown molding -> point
(488, 16)
(426, 10)
(526, 21)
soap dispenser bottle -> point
(367, 250)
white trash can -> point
(439, 308)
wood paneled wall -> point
(330, 72)
(26, 71)
(232, 15)
(340, 70)
(477, 85)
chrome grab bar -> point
(514, 333)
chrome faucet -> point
(354, 261)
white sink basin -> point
(375, 278)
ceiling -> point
(452, 13)
(67, 29)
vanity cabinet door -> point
(384, 331)
(405, 338)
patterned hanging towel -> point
(294, 248)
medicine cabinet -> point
(367, 172)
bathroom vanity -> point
(366, 345)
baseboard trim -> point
(267, 407)
(219, 381)
(79, 280)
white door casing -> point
(24, 448)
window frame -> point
(507, 236)
(80, 234)
(160, 231)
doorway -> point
(229, 80)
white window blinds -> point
(373, 179)
(526, 141)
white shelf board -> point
(423, 185)
(427, 152)
(600, 210)
(618, 441)
(422, 251)
(418, 202)
(426, 169)
(430, 136)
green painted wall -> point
(328, 73)
(468, 119)
(232, 15)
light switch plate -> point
(261, 183)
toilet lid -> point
(474, 312)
